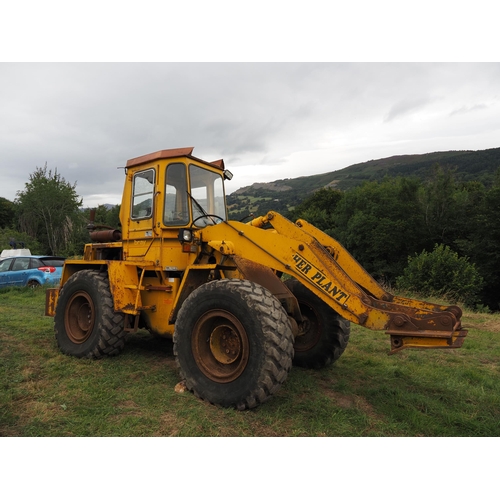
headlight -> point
(185, 235)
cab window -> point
(176, 212)
(143, 193)
(207, 191)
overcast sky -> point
(267, 121)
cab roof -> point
(172, 153)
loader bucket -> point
(442, 330)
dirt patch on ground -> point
(168, 426)
(488, 322)
(350, 401)
(130, 407)
(493, 324)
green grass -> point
(366, 393)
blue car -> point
(31, 271)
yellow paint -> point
(153, 269)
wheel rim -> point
(220, 346)
(310, 328)
(80, 317)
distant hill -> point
(284, 194)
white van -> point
(20, 252)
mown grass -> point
(366, 393)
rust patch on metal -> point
(51, 296)
(265, 277)
(437, 331)
(158, 288)
(262, 275)
(106, 236)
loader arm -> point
(322, 265)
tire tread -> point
(110, 325)
(278, 338)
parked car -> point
(32, 271)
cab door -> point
(141, 228)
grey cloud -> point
(87, 119)
(468, 109)
(407, 106)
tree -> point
(380, 223)
(113, 216)
(483, 248)
(440, 202)
(49, 210)
(21, 239)
(318, 209)
(7, 213)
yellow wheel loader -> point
(242, 301)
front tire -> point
(86, 324)
(325, 332)
(233, 343)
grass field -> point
(366, 393)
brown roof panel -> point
(218, 164)
(171, 153)
(159, 155)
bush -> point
(442, 272)
(6, 234)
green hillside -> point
(284, 194)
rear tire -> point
(326, 332)
(86, 324)
(233, 343)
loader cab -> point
(167, 191)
